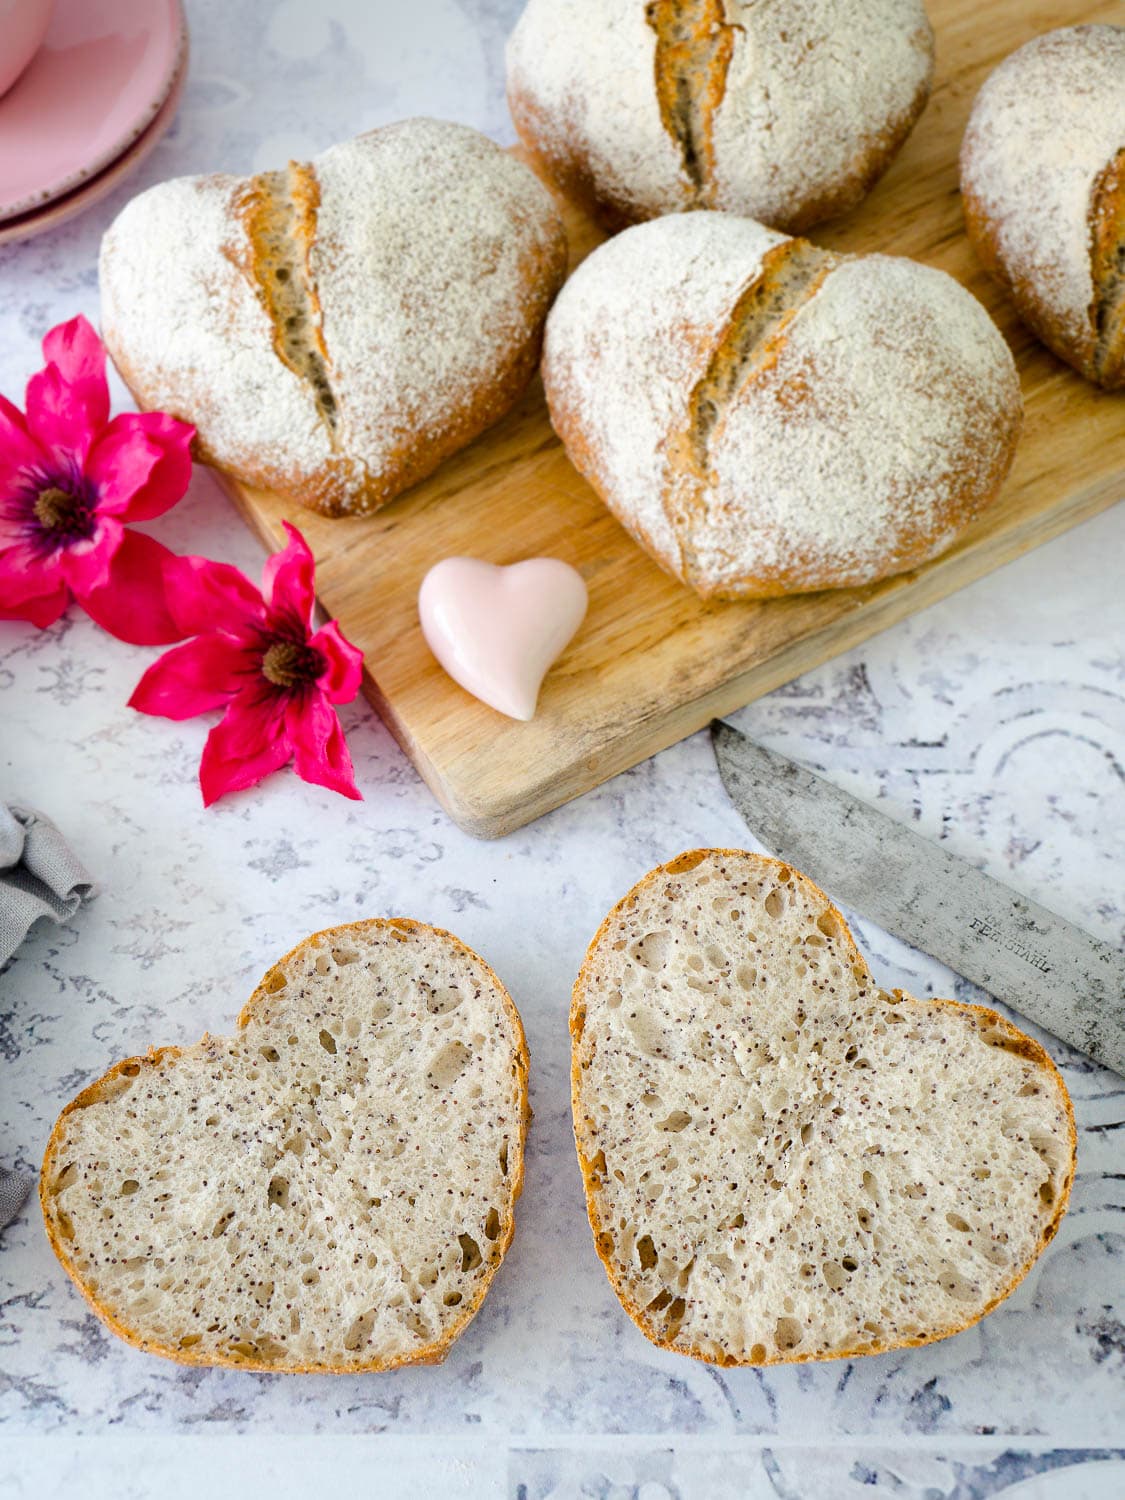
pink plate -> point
(98, 81)
(79, 199)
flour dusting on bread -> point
(786, 111)
(416, 266)
(905, 433)
(874, 414)
(1046, 127)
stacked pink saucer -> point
(100, 89)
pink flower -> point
(254, 655)
(70, 477)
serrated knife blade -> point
(1042, 966)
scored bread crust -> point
(766, 417)
(417, 265)
(337, 487)
(158, 1057)
(639, 110)
(1042, 167)
(587, 1148)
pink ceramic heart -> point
(497, 630)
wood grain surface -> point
(651, 663)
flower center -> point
(66, 515)
(292, 664)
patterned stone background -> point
(995, 721)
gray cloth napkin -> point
(40, 876)
(14, 1188)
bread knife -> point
(1050, 971)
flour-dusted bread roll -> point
(783, 1161)
(766, 417)
(337, 328)
(787, 111)
(330, 1189)
(1043, 185)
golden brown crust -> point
(737, 363)
(1043, 321)
(694, 47)
(979, 471)
(557, 162)
(276, 216)
(1016, 1041)
(1107, 268)
(868, 166)
(791, 274)
(694, 43)
(331, 489)
(1095, 346)
(260, 204)
(157, 1057)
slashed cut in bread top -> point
(787, 112)
(331, 1188)
(783, 1161)
(336, 328)
(1043, 185)
(768, 417)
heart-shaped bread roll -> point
(766, 417)
(335, 329)
(787, 111)
(783, 1161)
(1043, 189)
(330, 1189)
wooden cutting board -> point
(651, 663)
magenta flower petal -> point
(133, 603)
(320, 749)
(22, 575)
(11, 418)
(140, 464)
(70, 478)
(78, 352)
(29, 591)
(248, 743)
(119, 465)
(56, 419)
(68, 401)
(341, 682)
(85, 565)
(203, 594)
(193, 678)
(18, 450)
(288, 579)
(41, 611)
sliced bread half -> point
(329, 1189)
(783, 1161)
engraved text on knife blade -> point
(1021, 950)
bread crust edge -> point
(341, 485)
(430, 1354)
(566, 164)
(1033, 310)
(1026, 1045)
(961, 506)
(327, 490)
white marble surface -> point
(995, 721)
